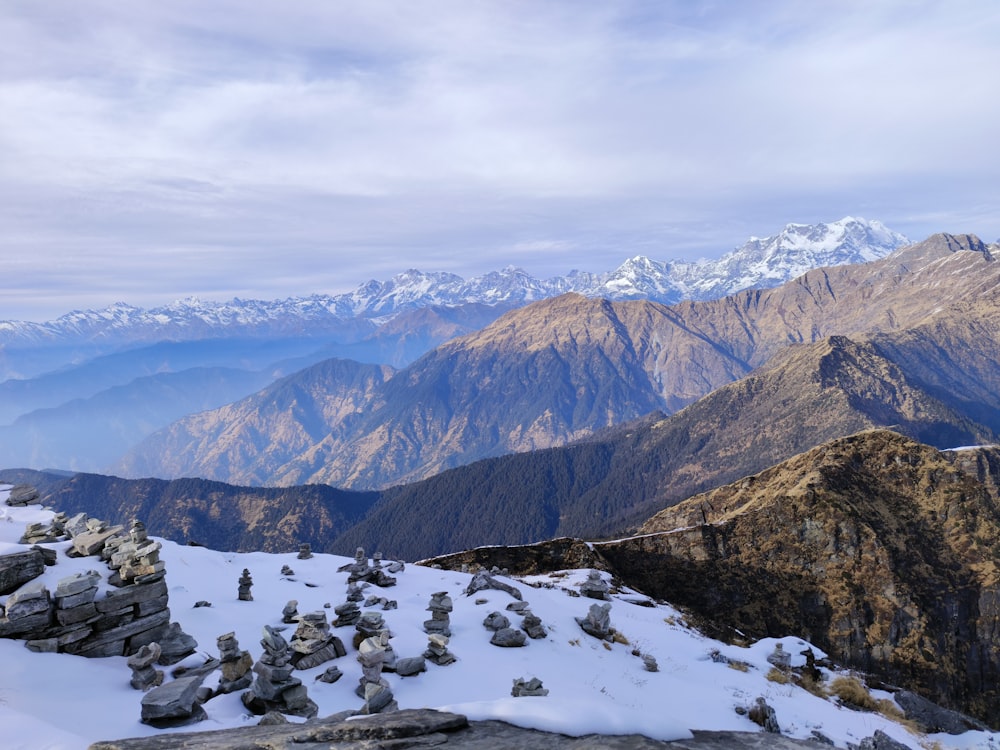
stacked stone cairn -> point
(597, 622)
(360, 570)
(440, 607)
(532, 687)
(779, 658)
(312, 643)
(274, 688)
(437, 650)
(530, 623)
(503, 634)
(144, 675)
(347, 613)
(243, 587)
(290, 612)
(235, 664)
(77, 618)
(372, 687)
(594, 587)
(305, 551)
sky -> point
(154, 151)
(63, 702)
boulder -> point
(174, 704)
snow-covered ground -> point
(63, 701)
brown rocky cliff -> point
(879, 549)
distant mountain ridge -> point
(560, 369)
(758, 263)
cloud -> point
(382, 135)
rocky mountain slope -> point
(567, 367)
(608, 484)
(882, 549)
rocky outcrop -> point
(425, 727)
(878, 549)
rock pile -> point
(144, 674)
(437, 650)
(312, 643)
(235, 664)
(361, 571)
(305, 551)
(440, 608)
(372, 686)
(532, 687)
(77, 618)
(597, 622)
(243, 587)
(275, 689)
(483, 580)
(594, 587)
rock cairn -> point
(290, 612)
(144, 675)
(437, 650)
(235, 664)
(532, 625)
(305, 551)
(780, 658)
(361, 571)
(286, 570)
(245, 584)
(312, 643)
(347, 613)
(594, 587)
(77, 617)
(532, 687)
(274, 688)
(372, 687)
(597, 622)
(440, 608)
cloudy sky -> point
(151, 151)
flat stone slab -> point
(19, 568)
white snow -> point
(60, 701)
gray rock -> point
(410, 665)
(881, 741)
(482, 581)
(331, 675)
(597, 622)
(932, 717)
(175, 644)
(173, 704)
(508, 638)
(495, 621)
(91, 542)
(594, 587)
(529, 688)
(18, 568)
(532, 625)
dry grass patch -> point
(853, 694)
(779, 676)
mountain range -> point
(568, 367)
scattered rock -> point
(483, 580)
(495, 621)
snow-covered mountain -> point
(759, 263)
(607, 686)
